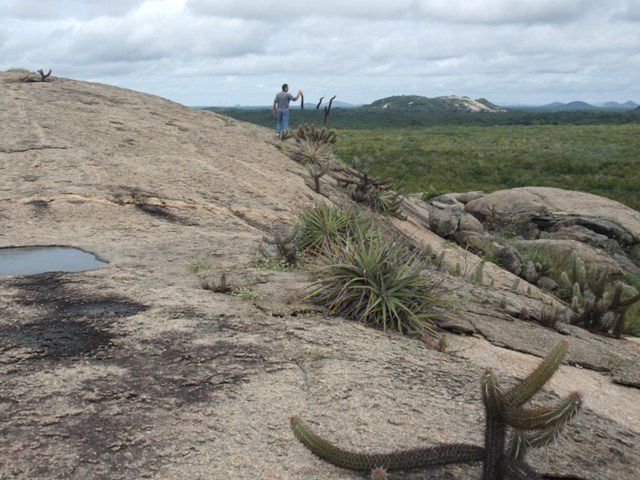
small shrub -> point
(310, 133)
(196, 266)
(286, 247)
(310, 153)
(248, 293)
(431, 192)
(269, 261)
(372, 280)
(369, 190)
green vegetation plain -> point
(601, 159)
(372, 118)
(597, 152)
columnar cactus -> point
(605, 311)
(317, 171)
(511, 429)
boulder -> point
(529, 272)
(443, 222)
(469, 223)
(446, 199)
(469, 196)
(511, 260)
(553, 207)
(547, 283)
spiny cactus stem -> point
(543, 438)
(528, 387)
(393, 461)
(541, 418)
(495, 428)
(630, 301)
(518, 445)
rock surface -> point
(133, 371)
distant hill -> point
(584, 106)
(630, 105)
(308, 105)
(447, 104)
(567, 107)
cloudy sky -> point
(226, 52)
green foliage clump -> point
(372, 279)
(248, 293)
(632, 326)
(432, 192)
(318, 135)
(511, 430)
(311, 153)
(196, 266)
(323, 225)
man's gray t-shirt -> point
(282, 100)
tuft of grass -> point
(272, 262)
(373, 280)
(196, 266)
(248, 293)
(17, 70)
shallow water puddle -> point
(34, 260)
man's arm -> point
(273, 112)
(298, 95)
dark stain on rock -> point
(161, 212)
(68, 322)
(39, 204)
(55, 338)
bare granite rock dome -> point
(133, 371)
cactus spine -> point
(504, 413)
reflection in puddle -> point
(34, 260)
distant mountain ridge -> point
(448, 104)
(580, 105)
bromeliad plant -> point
(511, 430)
(372, 278)
(322, 225)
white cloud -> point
(631, 10)
(50, 9)
(506, 11)
(279, 11)
(509, 51)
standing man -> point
(281, 109)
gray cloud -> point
(51, 9)
(238, 51)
